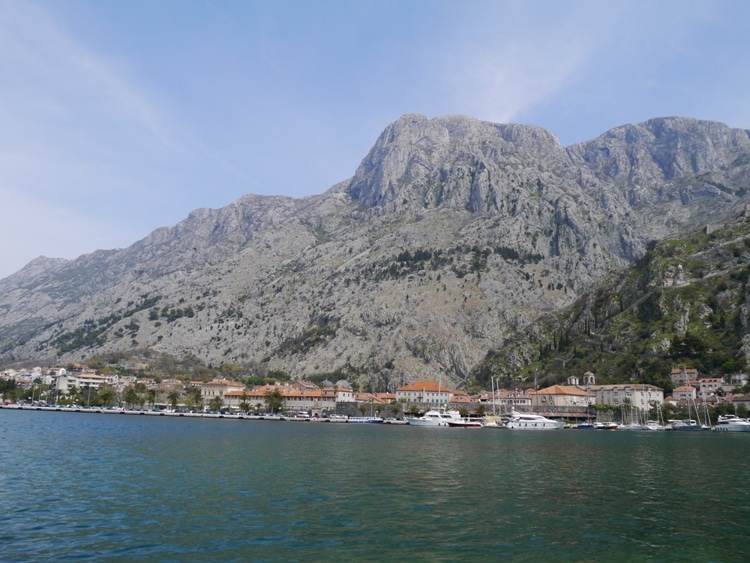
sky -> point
(117, 118)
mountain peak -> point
(453, 234)
(414, 155)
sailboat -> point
(492, 421)
(633, 424)
(655, 425)
(688, 424)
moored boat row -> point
(432, 418)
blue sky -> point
(117, 118)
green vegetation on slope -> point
(685, 303)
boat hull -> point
(732, 423)
(420, 422)
(732, 428)
(464, 424)
(364, 420)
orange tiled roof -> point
(425, 385)
(563, 390)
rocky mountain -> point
(685, 302)
(453, 235)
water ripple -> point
(116, 488)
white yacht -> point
(435, 418)
(732, 423)
(631, 426)
(653, 425)
(531, 421)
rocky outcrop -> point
(452, 235)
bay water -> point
(103, 487)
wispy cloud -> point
(51, 72)
(68, 118)
(520, 56)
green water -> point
(96, 487)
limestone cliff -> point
(452, 235)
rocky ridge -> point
(452, 235)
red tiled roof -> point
(563, 390)
(425, 385)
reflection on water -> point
(104, 487)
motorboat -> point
(685, 425)
(338, 418)
(605, 426)
(393, 420)
(631, 426)
(653, 426)
(365, 420)
(435, 418)
(493, 422)
(466, 423)
(531, 421)
(732, 423)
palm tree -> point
(244, 405)
(130, 396)
(73, 394)
(107, 395)
(216, 403)
(189, 401)
(174, 398)
(274, 400)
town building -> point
(425, 392)
(682, 375)
(708, 386)
(63, 383)
(639, 395)
(684, 393)
(218, 388)
(561, 396)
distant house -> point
(561, 396)
(219, 388)
(340, 394)
(743, 400)
(639, 395)
(63, 383)
(684, 393)
(294, 400)
(461, 399)
(683, 375)
(425, 392)
(511, 398)
(739, 379)
(708, 386)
